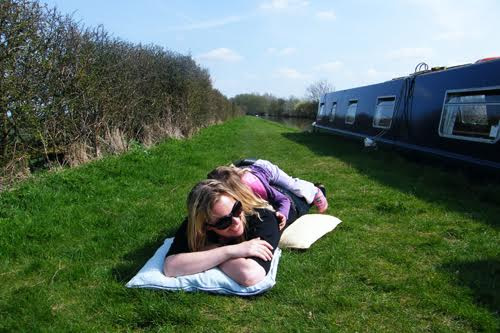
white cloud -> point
(281, 52)
(372, 72)
(209, 24)
(287, 51)
(220, 54)
(410, 52)
(372, 75)
(290, 73)
(450, 19)
(456, 20)
(326, 15)
(329, 67)
(283, 4)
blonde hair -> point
(200, 203)
(231, 176)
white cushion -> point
(213, 280)
(307, 229)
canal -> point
(304, 124)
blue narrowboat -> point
(451, 113)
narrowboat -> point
(451, 113)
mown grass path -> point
(418, 249)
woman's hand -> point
(281, 220)
(253, 248)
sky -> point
(283, 46)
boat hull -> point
(421, 113)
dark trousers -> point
(298, 205)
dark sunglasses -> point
(227, 220)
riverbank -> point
(415, 251)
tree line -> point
(269, 105)
(70, 93)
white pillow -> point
(213, 280)
(307, 229)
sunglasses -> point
(227, 220)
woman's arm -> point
(195, 262)
(251, 270)
(245, 271)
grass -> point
(418, 249)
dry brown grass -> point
(159, 131)
(114, 142)
(78, 153)
(15, 171)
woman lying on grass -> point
(291, 197)
(238, 234)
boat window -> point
(321, 110)
(333, 111)
(471, 115)
(351, 112)
(383, 112)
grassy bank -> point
(418, 249)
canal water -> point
(304, 124)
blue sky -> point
(282, 46)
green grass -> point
(418, 249)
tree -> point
(253, 103)
(317, 89)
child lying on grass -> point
(291, 197)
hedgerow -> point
(70, 93)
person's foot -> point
(321, 187)
(320, 199)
